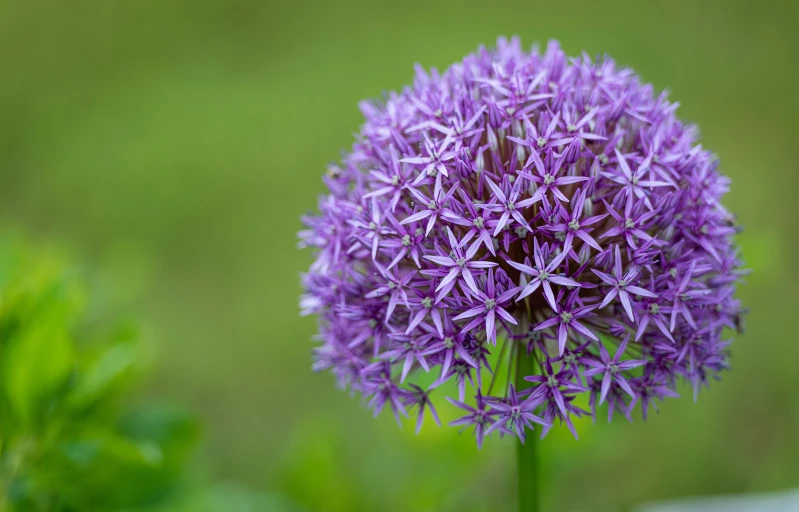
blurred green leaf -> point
(171, 429)
(102, 470)
(232, 498)
(109, 369)
(35, 364)
(64, 445)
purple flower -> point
(408, 353)
(434, 161)
(421, 399)
(571, 225)
(446, 345)
(459, 264)
(489, 305)
(425, 306)
(682, 294)
(406, 240)
(567, 321)
(555, 390)
(478, 223)
(542, 275)
(480, 416)
(507, 206)
(632, 182)
(523, 203)
(632, 224)
(611, 369)
(547, 180)
(431, 208)
(394, 178)
(621, 285)
(395, 285)
(515, 413)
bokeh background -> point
(175, 143)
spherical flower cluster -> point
(554, 204)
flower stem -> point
(527, 453)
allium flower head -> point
(554, 205)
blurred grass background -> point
(175, 143)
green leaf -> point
(232, 498)
(36, 362)
(102, 470)
(173, 430)
(110, 369)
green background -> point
(174, 145)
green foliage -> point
(232, 498)
(66, 442)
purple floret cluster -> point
(523, 205)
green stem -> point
(527, 453)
